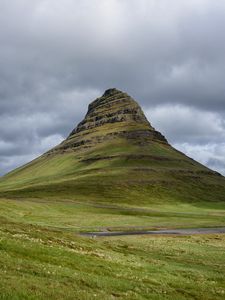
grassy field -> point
(78, 216)
(43, 257)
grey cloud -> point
(159, 56)
(217, 164)
(210, 154)
(198, 133)
(15, 155)
(8, 163)
(187, 124)
(57, 56)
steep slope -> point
(115, 155)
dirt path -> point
(182, 231)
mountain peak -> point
(111, 92)
(115, 115)
(110, 95)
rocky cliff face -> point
(114, 106)
(114, 115)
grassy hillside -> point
(117, 172)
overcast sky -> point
(57, 56)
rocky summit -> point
(115, 155)
(114, 115)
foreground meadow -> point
(39, 260)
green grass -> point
(43, 257)
(116, 172)
(37, 262)
(78, 216)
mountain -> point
(115, 155)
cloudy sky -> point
(57, 56)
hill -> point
(114, 172)
(115, 156)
